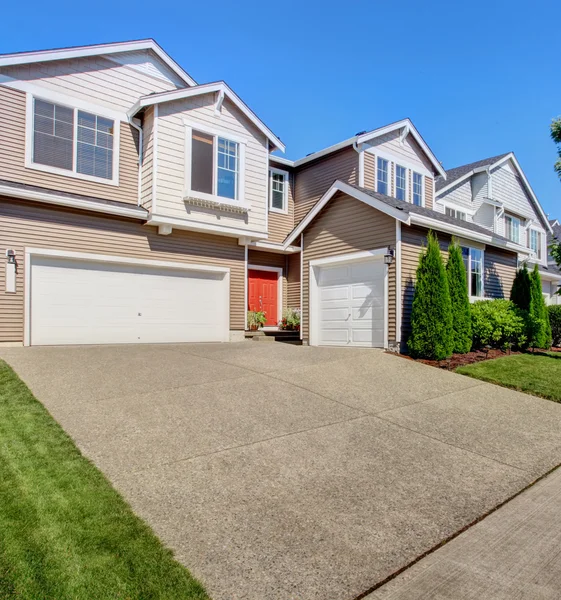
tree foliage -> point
(539, 329)
(520, 292)
(459, 299)
(555, 130)
(431, 316)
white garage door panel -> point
(81, 302)
(351, 304)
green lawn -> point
(538, 374)
(65, 533)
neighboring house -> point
(552, 285)
(139, 206)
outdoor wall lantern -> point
(388, 258)
(11, 271)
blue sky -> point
(477, 78)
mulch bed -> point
(459, 360)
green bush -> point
(461, 313)
(521, 286)
(499, 324)
(554, 313)
(431, 316)
(539, 331)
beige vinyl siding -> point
(147, 158)
(499, 269)
(429, 192)
(281, 225)
(170, 176)
(271, 259)
(25, 224)
(96, 79)
(369, 171)
(344, 226)
(293, 280)
(314, 179)
(12, 157)
(409, 150)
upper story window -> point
(400, 182)
(417, 189)
(512, 228)
(382, 176)
(536, 242)
(457, 214)
(74, 141)
(278, 190)
(473, 261)
(215, 165)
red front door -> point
(262, 288)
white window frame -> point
(513, 218)
(285, 174)
(29, 141)
(216, 133)
(396, 165)
(471, 297)
(456, 211)
(413, 173)
(388, 172)
(540, 253)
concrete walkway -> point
(282, 472)
(514, 553)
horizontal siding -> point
(429, 192)
(500, 270)
(147, 158)
(344, 226)
(12, 157)
(281, 225)
(293, 280)
(271, 259)
(409, 151)
(26, 224)
(369, 171)
(170, 150)
(313, 180)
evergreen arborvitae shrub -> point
(431, 317)
(555, 323)
(461, 309)
(539, 326)
(520, 292)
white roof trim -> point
(23, 58)
(549, 276)
(274, 247)
(134, 212)
(207, 88)
(340, 186)
(281, 161)
(325, 151)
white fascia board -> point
(325, 151)
(466, 233)
(281, 161)
(133, 212)
(23, 58)
(412, 130)
(467, 175)
(193, 225)
(549, 276)
(275, 248)
(512, 157)
(340, 186)
(207, 88)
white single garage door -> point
(350, 301)
(87, 302)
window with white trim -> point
(417, 189)
(473, 262)
(215, 165)
(278, 190)
(400, 182)
(72, 140)
(382, 176)
(536, 242)
(512, 228)
(455, 213)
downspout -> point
(140, 155)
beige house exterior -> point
(138, 206)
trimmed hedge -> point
(499, 324)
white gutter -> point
(133, 212)
(140, 155)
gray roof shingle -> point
(456, 173)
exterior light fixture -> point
(11, 255)
(388, 258)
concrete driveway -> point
(283, 472)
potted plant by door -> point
(290, 320)
(255, 320)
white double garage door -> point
(348, 301)
(72, 300)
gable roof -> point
(407, 213)
(218, 86)
(366, 136)
(23, 58)
(455, 176)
